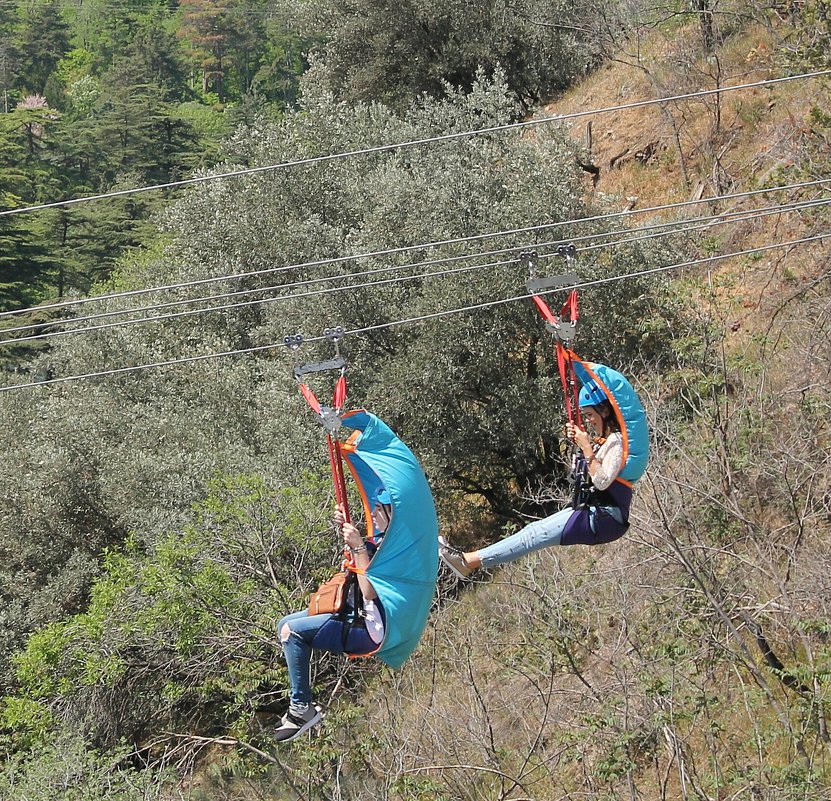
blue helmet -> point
(590, 395)
(382, 496)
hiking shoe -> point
(293, 724)
(454, 559)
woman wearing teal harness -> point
(619, 421)
(397, 580)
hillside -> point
(682, 662)
(689, 660)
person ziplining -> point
(388, 579)
(603, 469)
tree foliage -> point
(394, 52)
(186, 625)
(116, 108)
(67, 769)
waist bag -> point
(330, 597)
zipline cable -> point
(675, 227)
(411, 248)
(716, 220)
(418, 319)
(596, 282)
(413, 143)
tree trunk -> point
(705, 16)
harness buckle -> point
(329, 419)
(564, 331)
(581, 487)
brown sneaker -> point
(454, 559)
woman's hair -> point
(610, 423)
(387, 507)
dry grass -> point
(763, 137)
(760, 131)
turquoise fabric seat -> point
(404, 568)
(628, 410)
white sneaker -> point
(454, 559)
(294, 724)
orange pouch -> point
(329, 597)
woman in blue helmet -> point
(358, 631)
(604, 517)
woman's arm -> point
(603, 471)
(607, 462)
(353, 540)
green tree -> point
(249, 557)
(44, 41)
(245, 43)
(106, 30)
(120, 131)
(283, 62)
(69, 768)
(207, 29)
(158, 51)
(8, 58)
(135, 129)
(25, 270)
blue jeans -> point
(298, 652)
(533, 537)
(321, 632)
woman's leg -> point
(296, 633)
(534, 537)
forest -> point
(185, 183)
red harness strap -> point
(565, 357)
(545, 310)
(332, 442)
(563, 329)
(565, 362)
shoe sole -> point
(318, 718)
(453, 569)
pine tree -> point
(24, 270)
(9, 58)
(44, 40)
(136, 130)
(205, 30)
